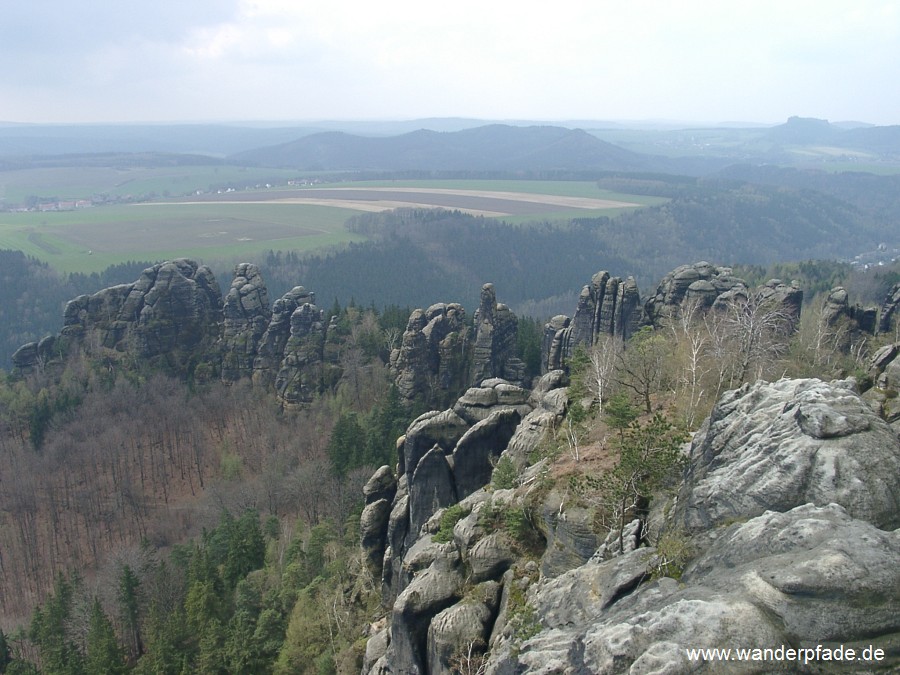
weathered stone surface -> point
(373, 524)
(382, 485)
(272, 344)
(462, 630)
(705, 286)
(491, 556)
(428, 593)
(496, 328)
(170, 317)
(431, 362)
(805, 577)
(843, 323)
(479, 448)
(431, 487)
(608, 306)
(34, 356)
(479, 403)
(776, 446)
(887, 317)
(433, 428)
(568, 529)
(550, 400)
(246, 316)
(299, 379)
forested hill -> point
(493, 147)
(414, 257)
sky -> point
(294, 60)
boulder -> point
(776, 446)
(457, 636)
(430, 592)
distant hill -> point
(495, 147)
(882, 141)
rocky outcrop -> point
(247, 315)
(171, 317)
(789, 510)
(440, 354)
(608, 306)
(446, 459)
(494, 348)
(843, 323)
(174, 318)
(289, 356)
(774, 446)
(887, 319)
(703, 286)
(431, 362)
(33, 356)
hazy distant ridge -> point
(494, 147)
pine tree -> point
(104, 655)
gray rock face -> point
(844, 322)
(247, 315)
(272, 344)
(431, 591)
(809, 479)
(606, 306)
(887, 317)
(431, 362)
(170, 315)
(461, 631)
(439, 355)
(568, 529)
(775, 446)
(300, 377)
(709, 286)
(493, 352)
(478, 449)
(33, 356)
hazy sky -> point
(214, 60)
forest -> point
(158, 525)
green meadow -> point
(91, 239)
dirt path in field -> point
(477, 202)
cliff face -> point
(608, 306)
(440, 354)
(787, 520)
(168, 318)
(174, 317)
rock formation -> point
(433, 353)
(705, 286)
(606, 306)
(494, 349)
(290, 353)
(247, 315)
(843, 323)
(446, 458)
(789, 511)
(790, 505)
(887, 319)
(170, 318)
(440, 355)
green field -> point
(90, 239)
(63, 183)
